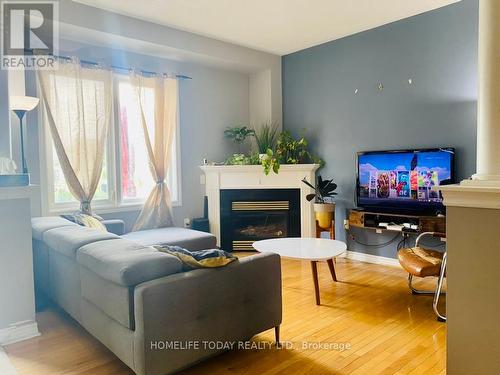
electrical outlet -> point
(187, 222)
(346, 224)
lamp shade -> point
(23, 103)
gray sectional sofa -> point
(139, 302)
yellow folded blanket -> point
(211, 258)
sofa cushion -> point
(187, 238)
(67, 240)
(127, 263)
(40, 225)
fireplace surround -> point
(218, 178)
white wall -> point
(212, 100)
(4, 116)
(17, 302)
(99, 27)
(260, 105)
(231, 85)
(472, 300)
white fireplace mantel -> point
(252, 177)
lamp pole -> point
(20, 114)
(20, 105)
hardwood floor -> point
(389, 330)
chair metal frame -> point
(439, 284)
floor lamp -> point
(20, 105)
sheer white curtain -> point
(77, 102)
(157, 211)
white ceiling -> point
(276, 26)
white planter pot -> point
(324, 207)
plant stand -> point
(330, 230)
(330, 262)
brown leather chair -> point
(421, 262)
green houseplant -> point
(292, 151)
(269, 162)
(265, 138)
(324, 206)
(288, 150)
(274, 148)
(239, 134)
(242, 159)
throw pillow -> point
(86, 221)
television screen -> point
(404, 179)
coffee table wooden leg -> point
(314, 268)
(331, 265)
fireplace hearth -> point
(249, 215)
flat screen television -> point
(402, 181)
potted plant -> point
(288, 150)
(265, 138)
(239, 135)
(242, 159)
(324, 206)
(292, 151)
(269, 162)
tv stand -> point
(371, 220)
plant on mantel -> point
(239, 135)
(242, 159)
(292, 151)
(273, 148)
(265, 137)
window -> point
(126, 180)
(136, 181)
(61, 193)
(135, 176)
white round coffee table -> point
(311, 249)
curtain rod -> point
(128, 69)
(117, 67)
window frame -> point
(115, 202)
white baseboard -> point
(375, 259)
(6, 367)
(18, 332)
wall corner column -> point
(488, 125)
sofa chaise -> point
(142, 304)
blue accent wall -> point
(437, 50)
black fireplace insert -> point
(249, 215)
